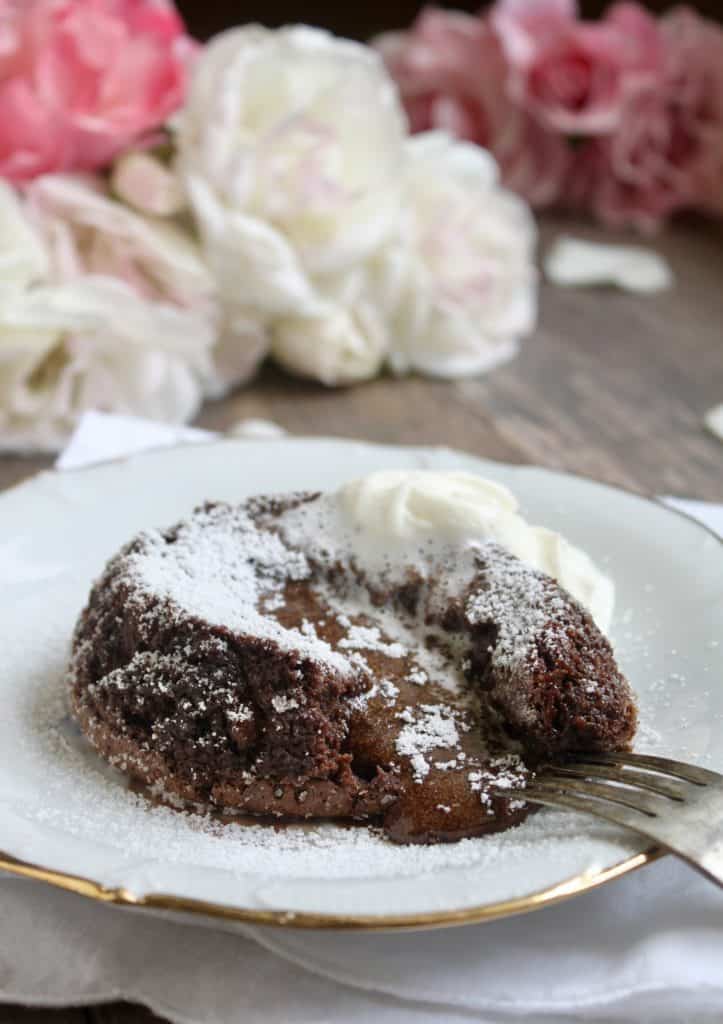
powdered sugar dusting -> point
(369, 638)
(514, 599)
(384, 688)
(522, 608)
(222, 567)
(503, 773)
(430, 727)
(282, 703)
(216, 567)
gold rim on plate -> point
(121, 897)
(569, 887)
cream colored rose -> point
(105, 309)
(339, 347)
(157, 257)
(449, 295)
(87, 232)
(291, 150)
(85, 345)
(347, 339)
(464, 265)
(320, 218)
(23, 257)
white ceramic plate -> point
(67, 818)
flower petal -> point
(344, 346)
(579, 263)
(146, 184)
(464, 275)
(23, 258)
(714, 421)
(253, 265)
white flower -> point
(319, 218)
(464, 268)
(145, 183)
(291, 149)
(85, 345)
(86, 232)
(157, 258)
(22, 255)
(110, 310)
(336, 348)
(346, 340)
(449, 295)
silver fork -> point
(679, 806)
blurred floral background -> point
(173, 211)
(361, 20)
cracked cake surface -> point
(279, 658)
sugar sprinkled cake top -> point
(229, 566)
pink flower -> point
(667, 153)
(451, 71)
(695, 92)
(574, 76)
(80, 80)
(442, 66)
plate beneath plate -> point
(68, 819)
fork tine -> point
(670, 788)
(614, 813)
(664, 765)
(635, 800)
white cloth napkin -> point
(647, 949)
(100, 437)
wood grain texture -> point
(612, 385)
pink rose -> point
(442, 66)
(695, 92)
(574, 76)
(667, 153)
(80, 80)
(451, 71)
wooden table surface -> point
(612, 385)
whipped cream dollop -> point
(407, 509)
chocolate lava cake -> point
(245, 660)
